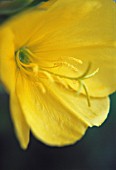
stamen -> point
(24, 59)
(35, 69)
(76, 60)
(41, 86)
(30, 53)
(80, 87)
(66, 64)
(85, 73)
(62, 82)
(79, 79)
(48, 75)
(87, 94)
(67, 77)
(92, 74)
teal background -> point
(95, 151)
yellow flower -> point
(58, 65)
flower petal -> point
(25, 24)
(8, 77)
(7, 60)
(21, 127)
(86, 31)
(72, 24)
(56, 117)
(103, 83)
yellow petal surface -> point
(26, 23)
(21, 128)
(86, 32)
(103, 82)
(82, 29)
(7, 60)
(56, 117)
(8, 76)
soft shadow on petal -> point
(21, 128)
(56, 117)
(49, 120)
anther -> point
(24, 59)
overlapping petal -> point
(21, 128)
(7, 60)
(71, 29)
(90, 36)
(86, 31)
(57, 117)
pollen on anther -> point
(36, 69)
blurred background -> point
(95, 151)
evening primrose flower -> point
(58, 65)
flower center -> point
(25, 60)
(23, 55)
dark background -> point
(96, 151)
